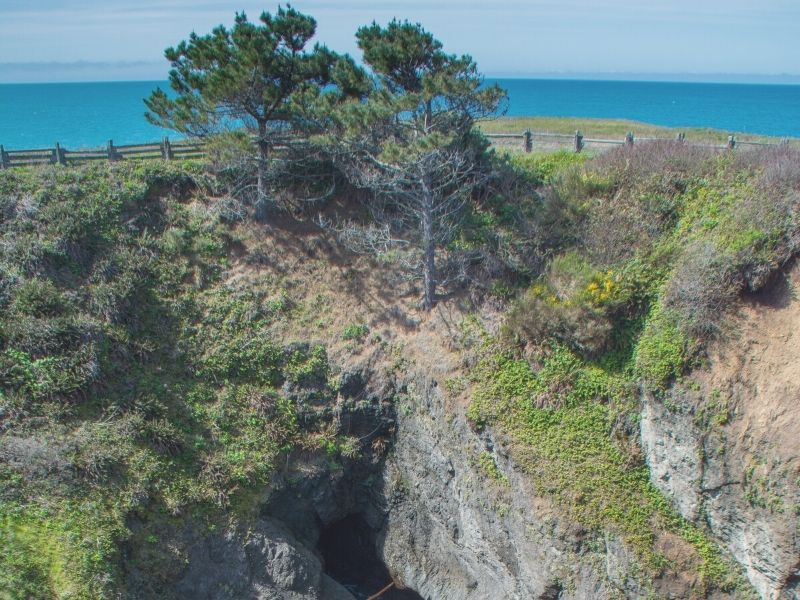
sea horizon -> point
(88, 114)
(721, 79)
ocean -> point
(86, 115)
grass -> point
(546, 167)
(63, 551)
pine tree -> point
(257, 76)
(413, 140)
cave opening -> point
(351, 558)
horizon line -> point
(613, 77)
(84, 71)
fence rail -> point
(167, 150)
(577, 141)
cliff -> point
(602, 404)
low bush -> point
(661, 164)
(540, 316)
(580, 306)
(355, 332)
(701, 287)
(664, 247)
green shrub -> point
(308, 367)
(38, 297)
(546, 167)
(355, 332)
(663, 349)
(573, 304)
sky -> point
(713, 40)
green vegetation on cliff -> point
(148, 381)
(656, 245)
(134, 380)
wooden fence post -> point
(527, 138)
(59, 156)
(578, 140)
(731, 142)
(629, 139)
(112, 154)
(4, 162)
(166, 149)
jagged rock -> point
(707, 487)
(673, 454)
(264, 562)
(448, 533)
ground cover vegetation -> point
(658, 244)
(133, 380)
(139, 382)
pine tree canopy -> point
(253, 74)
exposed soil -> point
(758, 369)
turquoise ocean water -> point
(84, 115)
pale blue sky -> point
(85, 40)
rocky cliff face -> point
(707, 478)
(263, 561)
(441, 508)
(456, 518)
(441, 524)
(724, 444)
(452, 531)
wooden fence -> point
(59, 155)
(526, 141)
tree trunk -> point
(262, 192)
(428, 248)
(428, 116)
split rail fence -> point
(526, 141)
(58, 155)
